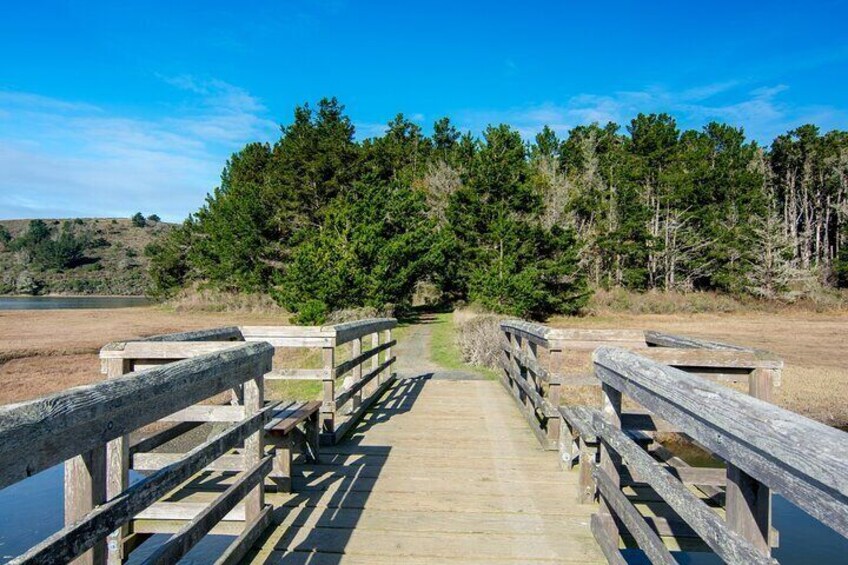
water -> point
(33, 509)
(64, 302)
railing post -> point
(506, 353)
(85, 488)
(610, 461)
(254, 401)
(748, 508)
(554, 366)
(585, 482)
(388, 371)
(117, 469)
(520, 372)
(748, 501)
(328, 407)
(375, 362)
(761, 383)
(355, 376)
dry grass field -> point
(814, 347)
(44, 351)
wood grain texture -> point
(60, 426)
(799, 458)
(729, 545)
(75, 539)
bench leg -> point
(282, 474)
(313, 438)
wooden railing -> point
(366, 373)
(86, 427)
(534, 356)
(764, 448)
(178, 382)
(532, 382)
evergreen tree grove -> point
(322, 221)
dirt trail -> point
(413, 354)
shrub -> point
(478, 336)
(138, 220)
(154, 218)
(311, 313)
(198, 299)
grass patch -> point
(444, 350)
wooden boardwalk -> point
(440, 470)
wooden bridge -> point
(186, 437)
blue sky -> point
(111, 107)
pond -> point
(32, 510)
(64, 302)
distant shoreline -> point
(60, 295)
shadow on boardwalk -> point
(330, 497)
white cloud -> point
(70, 159)
(759, 111)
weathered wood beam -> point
(344, 395)
(60, 426)
(647, 539)
(75, 539)
(352, 330)
(799, 458)
(189, 535)
(346, 366)
(729, 545)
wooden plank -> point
(328, 406)
(295, 375)
(248, 538)
(647, 539)
(359, 359)
(610, 459)
(75, 539)
(532, 420)
(687, 475)
(229, 333)
(159, 438)
(711, 358)
(352, 330)
(529, 362)
(729, 545)
(60, 426)
(290, 336)
(660, 339)
(600, 525)
(181, 543)
(801, 459)
(536, 333)
(283, 421)
(254, 450)
(156, 461)
(748, 508)
(343, 428)
(167, 349)
(345, 394)
(206, 413)
(540, 403)
(117, 468)
(182, 511)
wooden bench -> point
(284, 434)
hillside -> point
(109, 257)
